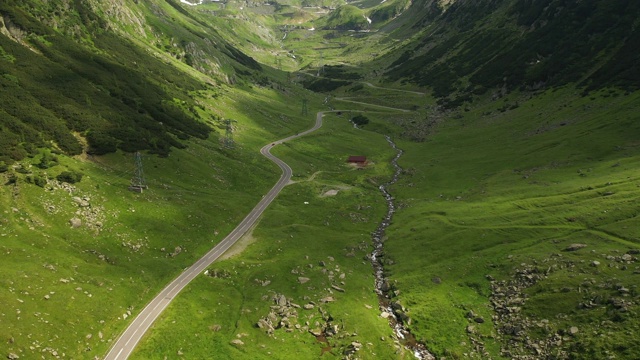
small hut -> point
(358, 160)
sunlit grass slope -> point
(82, 283)
(305, 233)
(493, 192)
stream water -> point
(383, 289)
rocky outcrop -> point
(515, 329)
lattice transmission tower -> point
(228, 136)
(138, 182)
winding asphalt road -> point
(128, 340)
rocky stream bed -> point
(392, 310)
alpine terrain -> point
(304, 179)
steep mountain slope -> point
(109, 72)
(471, 47)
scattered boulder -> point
(75, 223)
(595, 263)
(176, 251)
(308, 306)
(352, 349)
(575, 247)
(281, 300)
(13, 356)
(337, 288)
(237, 342)
(81, 202)
(573, 330)
(303, 279)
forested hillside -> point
(107, 75)
(471, 47)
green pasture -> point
(490, 192)
(301, 229)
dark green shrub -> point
(70, 177)
(36, 180)
(48, 160)
(39, 181)
(360, 120)
(101, 143)
(12, 179)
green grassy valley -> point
(515, 226)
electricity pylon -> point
(138, 182)
(228, 138)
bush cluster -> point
(70, 177)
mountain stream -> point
(394, 311)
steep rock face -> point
(521, 43)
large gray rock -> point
(75, 223)
(281, 300)
(574, 247)
(81, 202)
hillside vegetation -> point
(473, 47)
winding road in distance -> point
(128, 340)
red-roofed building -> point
(357, 160)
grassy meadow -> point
(82, 282)
(491, 192)
(303, 228)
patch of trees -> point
(360, 120)
(339, 72)
(69, 176)
(114, 104)
(323, 84)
